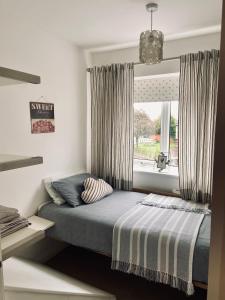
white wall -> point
(62, 69)
(171, 49)
(156, 181)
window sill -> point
(150, 168)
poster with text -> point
(42, 117)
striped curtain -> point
(112, 124)
(197, 118)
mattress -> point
(91, 226)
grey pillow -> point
(70, 188)
(54, 195)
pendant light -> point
(151, 42)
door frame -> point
(216, 285)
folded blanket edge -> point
(154, 275)
(196, 210)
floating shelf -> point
(9, 76)
(10, 162)
(25, 236)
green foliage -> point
(172, 129)
(173, 126)
(143, 125)
(158, 126)
(147, 150)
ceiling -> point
(96, 23)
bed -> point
(91, 226)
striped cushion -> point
(95, 190)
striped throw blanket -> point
(157, 241)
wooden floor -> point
(94, 269)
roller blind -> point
(158, 88)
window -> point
(147, 130)
(155, 124)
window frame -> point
(165, 124)
(165, 127)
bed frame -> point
(196, 283)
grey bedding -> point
(91, 226)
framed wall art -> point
(42, 117)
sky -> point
(153, 109)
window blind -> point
(157, 89)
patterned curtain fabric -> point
(197, 117)
(112, 94)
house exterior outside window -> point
(156, 100)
